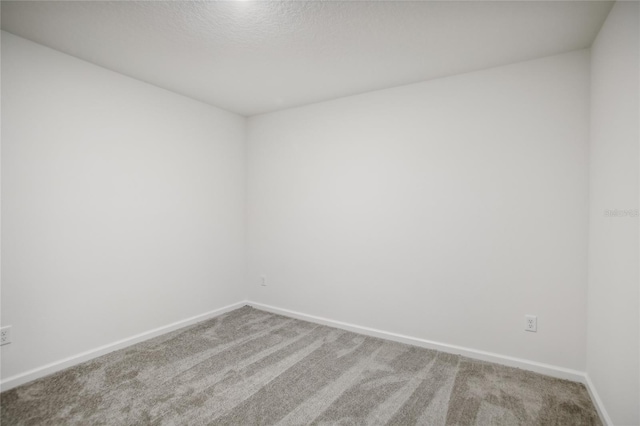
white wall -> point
(445, 210)
(612, 352)
(122, 206)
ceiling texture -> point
(252, 57)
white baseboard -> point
(546, 369)
(604, 416)
(537, 367)
(36, 373)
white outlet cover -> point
(531, 323)
(5, 335)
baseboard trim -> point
(597, 401)
(36, 373)
(546, 369)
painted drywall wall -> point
(445, 210)
(613, 355)
(122, 206)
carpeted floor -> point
(250, 367)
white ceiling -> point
(252, 57)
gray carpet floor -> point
(250, 367)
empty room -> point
(320, 213)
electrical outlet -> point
(531, 323)
(263, 281)
(5, 335)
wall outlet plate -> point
(531, 323)
(5, 335)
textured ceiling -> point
(252, 57)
